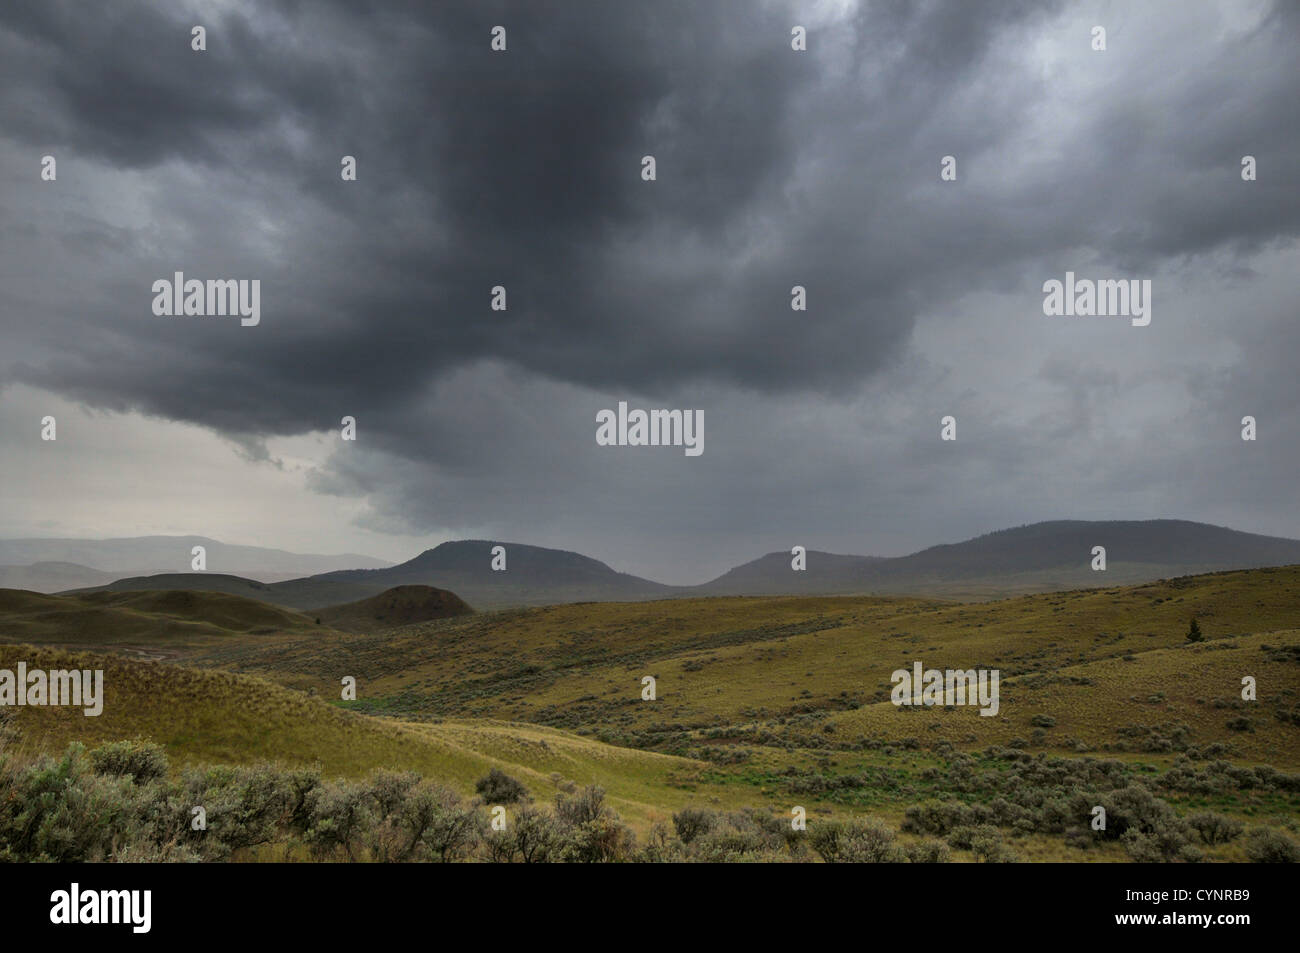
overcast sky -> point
(775, 168)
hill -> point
(147, 555)
(534, 575)
(225, 718)
(1042, 557)
(401, 605)
(190, 582)
(52, 577)
(164, 622)
(763, 673)
(772, 575)
(762, 702)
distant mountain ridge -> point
(53, 577)
(1034, 558)
(772, 575)
(533, 575)
(52, 565)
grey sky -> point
(775, 168)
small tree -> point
(1194, 633)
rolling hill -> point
(215, 717)
(190, 582)
(1043, 557)
(401, 605)
(533, 576)
(166, 620)
(736, 671)
(53, 577)
(760, 701)
(771, 575)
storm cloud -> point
(775, 168)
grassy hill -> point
(761, 702)
(189, 581)
(790, 667)
(163, 622)
(207, 717)
(401, 605)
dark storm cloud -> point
(523, 169)
(479, 170)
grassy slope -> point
(401, 605)
(787, 683)
(220, 717)
(169, 621)
(737, 661)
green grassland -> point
(815, 671)
(212, 717)
(761, 702)
(163, 623)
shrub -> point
(441, 828)
(582, 807)
(985, 842)
(1215, 828)
(863, 841)
(589, 831)
(1266, 845)
(929, 852)
(1158, 847)
(497, 787)
(388, 791)
(60, 811)
(142, 760)
(249, 805)
(690, 822)
(338, 815)
(537, 836)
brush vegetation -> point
(763, 705)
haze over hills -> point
(533, 576)
(771, 575)
(53, 577)
(52, 565)
(1036, 558)
(1040, 557)
(195, 582)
